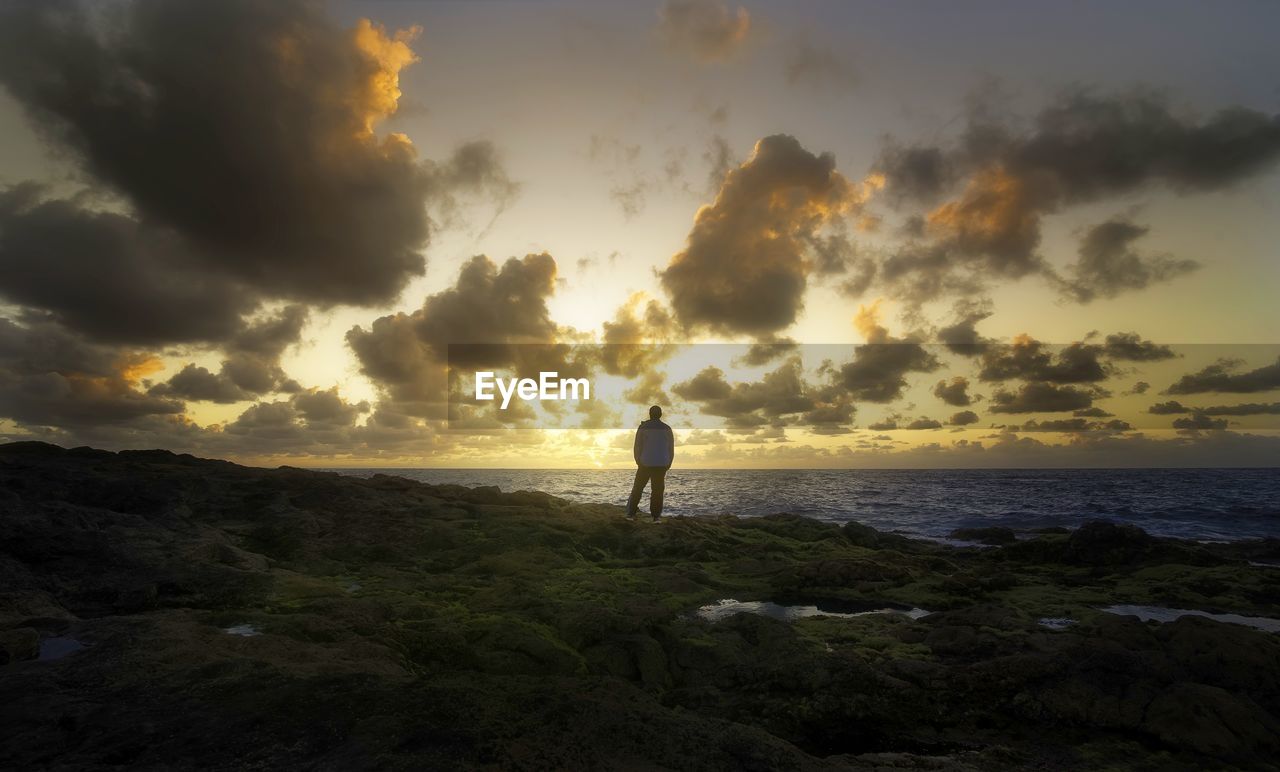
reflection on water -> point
(245, 630)
(58, 647)
(1162, 614)
(1056, 623)
(723, 609)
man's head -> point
(655, 413)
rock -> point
(1212, 721)
(19, 644)
(1104, 543)
(993, 535)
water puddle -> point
(58, 647)
(726, 608)
(1056, 623)
(245, 631)
(1162, 614)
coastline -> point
(230, 616)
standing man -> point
(654, 450)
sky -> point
(820, 234)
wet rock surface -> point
(403, 625)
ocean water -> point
(1203, 504)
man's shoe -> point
(656, 518)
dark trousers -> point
(656, 475)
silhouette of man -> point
(654, 450)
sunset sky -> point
(974, 234)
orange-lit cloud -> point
(387, 55)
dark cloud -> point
(961, 336)
(1092, 412)
(705, 29)
(197, 383)
(915, 173)
(110, 277)
(1108, 264)
(1029, 359)
(1141, 387)
(885, 425)
(877, 372)
(963, 418)
(1221, 377)
(1173, 407)
(246, 127)
(1037, 397)
(1074, 425)
(474, 170)
(635, 340)
(707, 386)
(1199, 421)
(1130, 347)
(781, 396)
(748, 258)
(52, 378)
(1081, 149)
(954, 392)
(1249, 408)
(764, 352)
(497, 308)
(252, 366)
(923, 423)
(819, 67)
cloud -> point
(1029, 359)
(1173, 407)
(635, 340)
(110, 277)
(496, 307)
(781, 396)
(708, 30)
(961, 336)
(923, 423)
(954, 392)
(198, 383)
(877, 372)
(474, 169)
(251, 368)
(764, 352)
(247, 129)
(1130, 347)
(963, 418)
(1037, 397)
(819, 67)
(1249, 408)
(1081, 149)
(52, 378)
(1199, 421)
(747, 260)
(1219, 377)
(1141, 387)
(1092, 412)
(1108, 264)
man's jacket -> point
(655, 444)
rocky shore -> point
(159, 610)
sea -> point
(1198, 504)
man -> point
(654, 450)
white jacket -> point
(655, 444)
